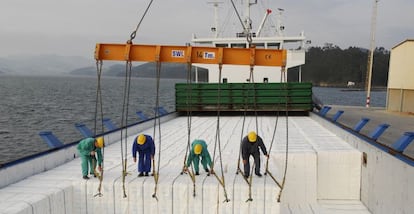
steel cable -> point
(134, 33)
(99, 100)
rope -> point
(250, 179)
(134, 33)
(157, 117)
(99, 100)
(287, 137)
(273, 137)
(189, 120)
(217, 140)
(124, 121)
(254, 98)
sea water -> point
(31, 104)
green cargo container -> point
(243, 97)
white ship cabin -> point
(295, 46)
(265, 36)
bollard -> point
(108, 123)
(51, 140)
(141, 115)
(378, 131)
(84, 130)
(361, 124)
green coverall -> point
(205, 156)
(85, 147)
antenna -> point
(371, 54)
(279, 27)
(215, 28)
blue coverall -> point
(145, 151)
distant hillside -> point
(42, 64)
(147, 70)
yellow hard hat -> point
(141, 139)
(99, 142)
(252, 136)
(197, 149)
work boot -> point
(206, 170)
(197, 173)
(246, 176)
(140, 174)
(258, 174)
(93, 174)
(85, 177)
(146, 174)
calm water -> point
(29, 105)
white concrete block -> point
(339, 174)
(301, 180)
(15, 207)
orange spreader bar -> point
(191, 54)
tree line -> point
(332, 66)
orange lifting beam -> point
(191, 54)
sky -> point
(72, 28)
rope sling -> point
(218, 142)
(267, 171)
(98, 106)
(124, 118)
(191, 173)
(248, 180)
(124, 123)
(189, 118)
(157, 120)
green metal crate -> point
(243, 96)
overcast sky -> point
(72, 28)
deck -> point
(323, 175)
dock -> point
(399, 122)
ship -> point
(315, 165)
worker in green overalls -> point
(90, 150)
(199, 152)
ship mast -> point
(371, 54)
(215, 29)
(247, 21)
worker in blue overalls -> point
(144, 145)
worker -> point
(199, 151)
(250, 146)
(144, 145)
(90, 149)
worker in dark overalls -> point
(250, 146)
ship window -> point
(273, 45)
(221, 45)
(224, 80)
(259, 45)
(265, 80)
(238, 45)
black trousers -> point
(256, 157)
